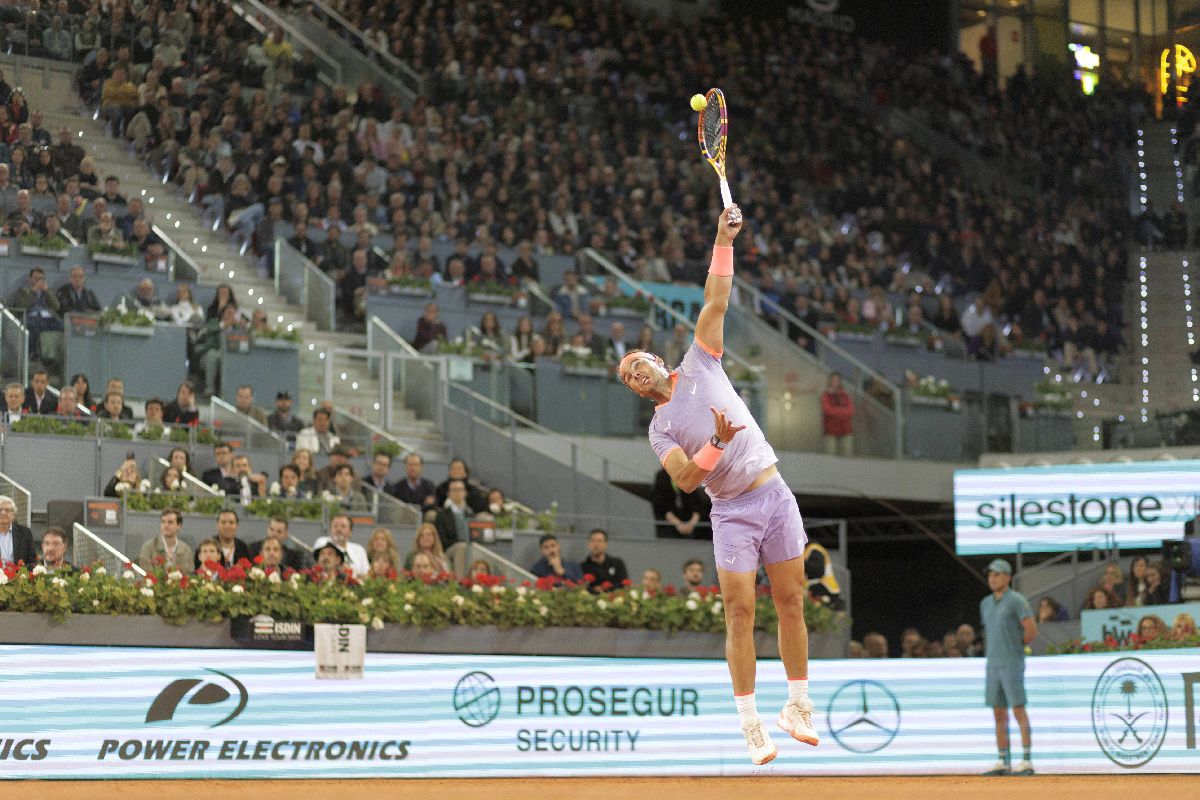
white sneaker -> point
(1001, 768)
(761, 748)
(796, 720)
(1023, 768)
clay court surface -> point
(1057, 787)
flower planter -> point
(410, 291)
(276, 344)
(590, 372)
(904, 341)
(492, 299)
(112, 258)
(934, 402)
(29, 250)
(628, 313)
(852, 336)
(131, 330)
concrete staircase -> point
(354, 386)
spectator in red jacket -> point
(837, 412)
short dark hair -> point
(62, 537)
(225, 511)
(388, 456)
(289, 468)
(222, 446)
(178, 514)
(279, 518)
(691, 561)
(546, 537)
(349, 518)
(154, 401)
(340, 468)
(321, 411)
(600, 531)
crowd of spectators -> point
(545, 129)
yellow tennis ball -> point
(699, 102)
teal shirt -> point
(1004, 634)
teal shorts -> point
(1004, 686)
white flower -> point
(57, 581)
(122, 487)
(257, 573)
(85, 577)
(945, 384)
(601, 604)
(410, 596)
(498, 590)
(3, 578)
(127, 575)
(238, 589)
(95, 603)
(100, 570)
(296, 578)
(618, 601)
(274, 577)
(691, 605)
(220, 492)
(40, 569)
(521, 590)
(174, 575)
(376, 624)
(716, 609)
(408, 608)
(147, 591)
(144, 485)
(477, 589)
(275, 489)
(328, 496)
(544, 610)
(693, 595)
(458, 600)
(366, 601)
(176, 485)
(214, 487)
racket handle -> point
(726, 197)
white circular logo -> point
(1129, 712)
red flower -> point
(159, 560)
(670, 590)
(606, 586)
(1087, 648)
(184, 581)
(243, 563)
(547, 582)
(258, 559)
(588, 577)
(627, 582)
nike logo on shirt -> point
(694, 387)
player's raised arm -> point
(710, 326)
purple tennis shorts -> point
(764, 524)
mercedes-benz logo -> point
(863, 716)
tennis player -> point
(704, 435)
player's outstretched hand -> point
(729, 225)
(723, 428)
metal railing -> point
(745, 364)
(232, 422)
(255, 12)
(880, 404)
(1081, 578)
(14, 349)
(303, 284)
(191, 484)
(88, 549)
(509, 569)
(21, 496)
(405, 77)
(181, 266)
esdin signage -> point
(1074, 506)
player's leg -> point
(787, 592)
(737, 595)
(782, 553)
(994, 692)
(1014, 688)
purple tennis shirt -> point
(686, 422)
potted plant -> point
(129, 322)
(854, 332)
(931, 391)
(36, 244)
(491, 292)
(409, 286)
(127, 254)
(281, 336)
(1051, 398)
(632, 306)
(583, 361)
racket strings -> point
(713, 127)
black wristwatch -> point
(717, 443)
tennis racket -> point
(713, 133)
